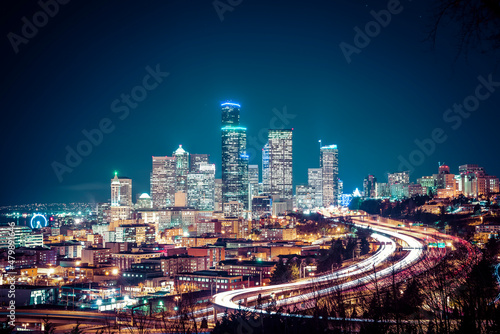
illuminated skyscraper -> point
(315, 181)
(475, 182)
(280, 163)
(329, 162)
(195, 160)
(115, 191)
(369, 186)
(234, 157)
(218, 195)
(163, 182)
(201, 188)
(230, 114)
(266, 181)
(121, 191)
(181, 169)
(253, 179)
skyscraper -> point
(201, 188)
(253, 179)
(234, 157)
(195, 160)
(115, 191)
(163, 182)
(475, 182)
(181, 169)
(121, 191)
(218, 195)
(230, 114)
(266, 181)
(315, 181)
(369, 186)
(280, 163)
(329, 162)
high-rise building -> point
(444, 179)
(398, 178)
(234, 157)
(253, 180)
(121, 197)
(125, 191)
(329, 162)
(163, 182)
(382, 190)
(429, 183)
(218, 195)
(181, 169)
(398, 182)
(305, 197)
(201, 188)
(475, 182)
(341, 190)
(266, 181)
(315, 181)
(369, 186)
(230, 114)
(143, 201)
(281, 163)
(195, 160)
(115, 191)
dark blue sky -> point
(266, 55)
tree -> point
(355, 203)
(5, 328)
(281, 273)
(48, 327)
(77, 329)
(476, 24)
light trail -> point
(227, 300)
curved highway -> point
(230, 299)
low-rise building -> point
(216, 281)
(124, 260)
(263, 269)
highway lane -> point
(228, 300)
(386, 249)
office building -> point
(305, 197)
(196, 160)
(369, 186)
(266, 181)
(329, 162)
(397, 178)
(253, 180)
(218, 195)
(315, 181)
(234, 157)
(121, 191)
(163, 181)
(143, 201)
(280, 163)
(201, 188)
(181, 169)
(475, 182)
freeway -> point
(231, 300)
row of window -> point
(201, 279)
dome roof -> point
(144, 196)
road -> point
(412, 239)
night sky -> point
(267, 55)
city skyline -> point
(272, 166)
(408, 93)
